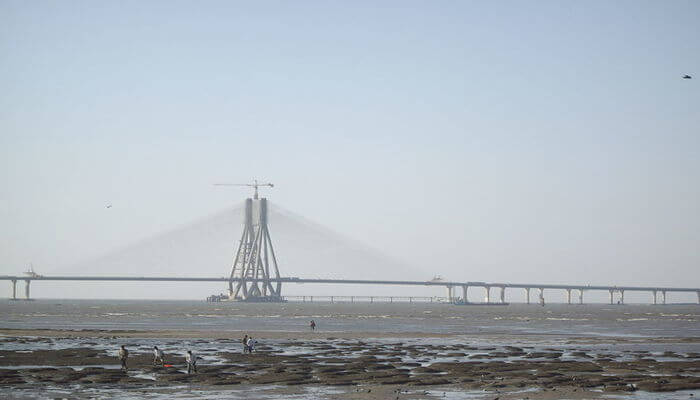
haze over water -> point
(486, 141)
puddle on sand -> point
(151, 377)
(74, 367)
(639, 395)
(457, 395)
(272, 392)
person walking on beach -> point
(245, 344)
(251, 344)
(312, 324)
(158, 356)
(123, 355)
(191, 360)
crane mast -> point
(254, 185)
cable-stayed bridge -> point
(448, 285)
(255, 275)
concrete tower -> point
(255, 259)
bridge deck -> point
(350, 281)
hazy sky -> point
(489, 141)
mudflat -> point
(351, 365)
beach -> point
(295, 362)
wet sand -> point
(320, 335)
(354, 366)
(210, 334)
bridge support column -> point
(622, 296)
(541, 290)
(568, 296)
(653, 293)
(611, 295)
(488, 293)
(503, 294)
(580, 296)
(698, 293)
(14, 289)
(465, 288)
(26, 288)
(663, 297)
(527, 295)
(449, 294)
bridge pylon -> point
(255, 262)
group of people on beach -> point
(191, 360)
(159, 359)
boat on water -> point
(470, 303)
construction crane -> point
(254, 185)
(30, 272)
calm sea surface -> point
(594, 320)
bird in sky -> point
(687, 77)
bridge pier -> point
(449, 294)
(663, 297)
(622, 296)
(541, 292)
(568, 296)
(26, 288)
(698, 293)
(488, 293)
(580, 296)
(14, 289)
(653, 293)
(527, 295)
(503, 294)
(611, 296)
(465, 288)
